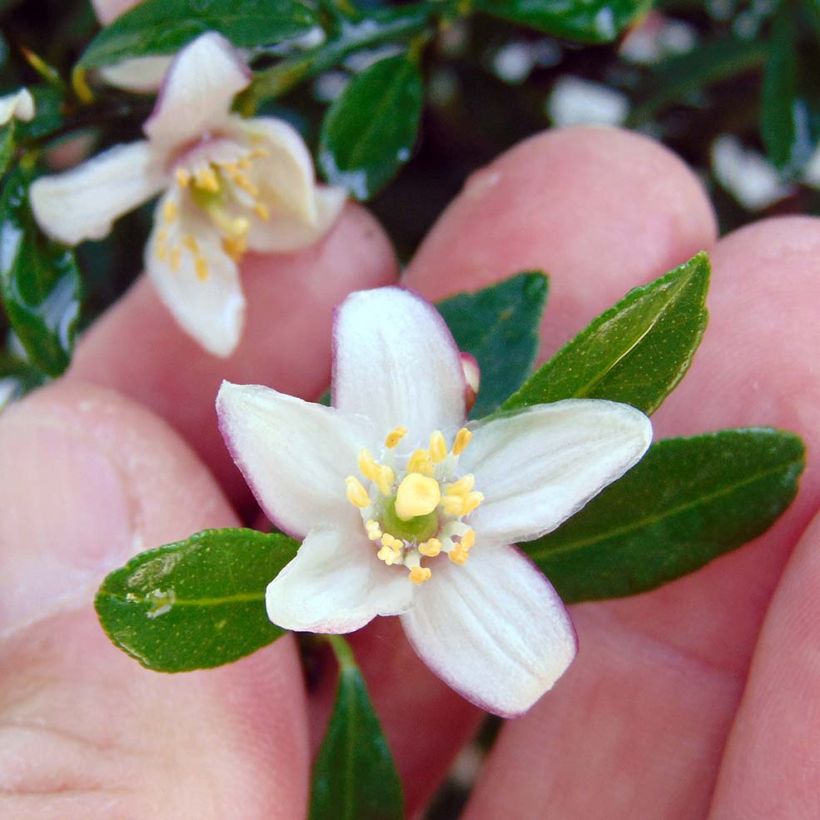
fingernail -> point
(64, 517)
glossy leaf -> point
(370, 130)
(784, 114)
(197, 603)
(7, 147)
(687, 502)
(636, 352)
(165, 26)
(39, 282)
(499, 326)
(591, 21)
(354, 777)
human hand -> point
(637, 727)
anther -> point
(431, 548)
(458, 555)
(206, 179)
(374, 531)
(438, 447)
(462, 439)
(356, 493)
(467, 541)
(169, 211)
(420, 462)
(418, 575)
(394, 437)
(183, 177)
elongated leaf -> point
(197, 603)
(39, 282)
(590, 21)
(354, 777)
(370, 130)
(687, 502)
(784, 114)
(165, 26)
(636, 352)
(7, 146)
(499, 326)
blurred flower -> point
(406, 511)
(575, 101)
(231, 185)
(19, 105)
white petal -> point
(397, 363)
(83, 202)
(18, 105)
(140, 74)
(336, 584)
(212, 310)
(283, 232)
(294, 455)
(198, 91)
(493, 629)
(286, 173)
(539, 467)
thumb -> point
(86, 479)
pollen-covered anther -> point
(418, 575)
(380, 474)
(420, 462)
(356, 493)
(462, 439)
(373, 529)
(182, 177)
(394, 437)
(430, 548)
(206, 179)
(438, 447)
(417, 495)
(169, 211)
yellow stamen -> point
(394, 437)
(201, 268)
(420, 462)
(374, 531)
(206, 179)
(467, 541)
(418, 575)
(235, 247)
(169, 210)
(462, 439)
(261, 211)
(391, 543)
(438, 447)
(417, 495)
(430, 548)
(472, 502)
(183, 177)
(191, 244)
(381, 475)
(389, 556)
(453, 505)
(458, 555)
(176, 259)
(462, 486)
(356, 493)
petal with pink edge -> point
(335, 584)
(493, 629)
(83, 203)
(294, 455)
(396, 362)
(196, 95)
(539, 467)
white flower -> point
(406, 511)
(230, 184)
(19, 105)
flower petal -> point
(494, 630)
(283, 232)
(285, 173)
(539, 467)
(140, 74)
(396, 362)
(83, 202)
(204, 296)
(17, 105)
(197, 93)
(336, 584)
(294, 455)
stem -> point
(344, 654)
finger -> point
(138, 349)
(645, 710)
(600, 209)
(86, 480)
(771, 768)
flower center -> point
(220, 186)
(414, 508)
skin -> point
(694, 700)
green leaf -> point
(354, 777)
(197, 603)
(590, 21)
(784, 114)
(370, 130)
(39, 282)
(677, 78)
(165, 26)
(687, 502)
(7, 147)
(636, 352)
(499, 326)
